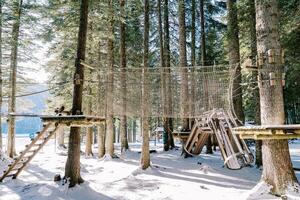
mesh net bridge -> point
(205, 88)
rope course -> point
(211, 86)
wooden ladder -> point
(31, 150)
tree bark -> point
(61, 137)
(145, 157)
(1, 3)
(168, 123)
(89, 142)
(203, 44)
(163, 78)
(193, 33)
(203, 63)
(101, 128)
(72, 170)
(109, 139)
(184, 108)
(11, 151)
(123, 118)
(234, 57)
(277, 166)
(101, 140)
(255, 93)
(89, 130)
(193, 60)
(134, 130)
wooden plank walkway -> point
(266, 132)
(75, 120)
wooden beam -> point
(86, 65)
(270, 137)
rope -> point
(38, 92)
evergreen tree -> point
(11, 152)
(72, 169)
(145, 156)
(277, 167)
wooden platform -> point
(267, 132)
(74, 120)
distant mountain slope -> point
(30, 104)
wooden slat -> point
(74, 120)
(269, 132)
(266, 127)
(270, 137)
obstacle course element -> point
(31, 150)
(19, 163)
(211, 85)
(267, 132)
(234, 150)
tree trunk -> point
(1, 2)
(203, 44)
(89, 130)
(184, 108)
(145, 157)
(61, 137)
(129, 132)
(101, 112)
(277, 166)
(11, 151)
(193, 59)
(255, 92)
(203, 63)
(193, 33)
(89, 142)
(72, 170)
(134, 130)
(109, 139)
(123, 125)
(168, 123)
(101, 140)
(234, 57)
(163, 77)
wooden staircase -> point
(234, 150)
(31, 150)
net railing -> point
(208, 89)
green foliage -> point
(290, 40)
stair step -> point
(26, 146)
(10, 175)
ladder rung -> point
(10, 175)
(26, 146)
(15, 169)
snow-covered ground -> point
(170, 177)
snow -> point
(170, 177)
